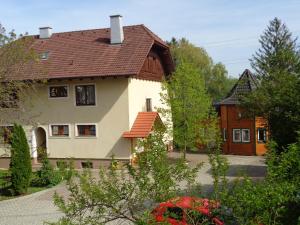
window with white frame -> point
(57, 130)
(58, 91)
(262, 135)
(241, 135)
(86, 130)
(85, 95)
(236, 135)
(245, 135)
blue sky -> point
(227, 29)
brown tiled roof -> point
(246, 83)
(88, 53)
(142, 125)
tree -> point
(192, 114)
(277, 67)
(127, 193)
(15, 55)
(20, 165)
(215, 76)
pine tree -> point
(277, 67)
(20, 165)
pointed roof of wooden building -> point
(246, 83)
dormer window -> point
(44, 55)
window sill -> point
(86, 137)
(59, 137)
(85, 105)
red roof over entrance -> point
(142, 125)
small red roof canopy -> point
(142, 125)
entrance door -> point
(41, 142)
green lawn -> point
(5, 184)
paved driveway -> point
(253, 166)
(38, 207)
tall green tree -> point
(191, 107)
(20, 165)
(277, 67)
(216, 79)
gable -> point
(152, 68)
(246, 83)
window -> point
(148, 104)
(58, 91)
(237, 135)
(86, 130)
(9, 98)
(224, 134)
(175, 213)
(5, 133)
(87, 164)
(241, 135)
(59, 130)
(262, 135)
(85, 95)
(245, 135)
(44, 55)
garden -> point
(20, 180)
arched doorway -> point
(40, 142)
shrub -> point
(46, 176)
(20, 165)
(125, 192)
(276, 200)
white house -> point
(99, 83)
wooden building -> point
(241, 135)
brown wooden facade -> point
(241, 135)
(231, 119)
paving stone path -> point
(32, 209)
(36, 208)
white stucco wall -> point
(138, 91)
(118, 102)
(110, 115)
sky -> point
(228, 29)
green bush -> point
(46, 176)
(276, 200)
(66, 169)
(20, 165)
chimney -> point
(45, 32)
(116, 29)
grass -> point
(5, 192)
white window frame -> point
(83, 84)
(233, 136)
(265, 135)
(242, 131)
(76, 130)
(59, 85)
(59, 124)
